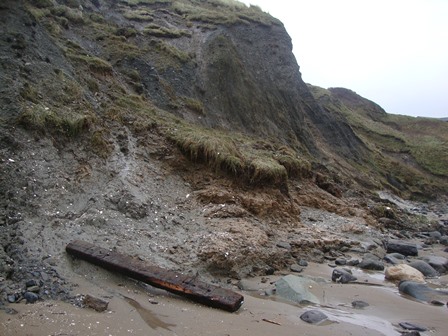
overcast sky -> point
(394, 52)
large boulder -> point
(422, 292)
(296, 289)
(427, 270)
(402, 247)
(440, 264)
(404, 272)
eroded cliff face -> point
(201, 61)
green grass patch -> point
(47, 120)
(158, 31)
(240, 156)
(142, 15)
(222, 12)
(193, 104)
(94, 63)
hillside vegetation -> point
(215, 79)
(407, 152)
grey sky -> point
(394, 52)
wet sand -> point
(135, 309)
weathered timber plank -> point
(174, 282)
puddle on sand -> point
(148, 316)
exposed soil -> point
(140, 203)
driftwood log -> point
(177, 283)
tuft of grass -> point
(94, 63)
(266, 170)
(73, 15)
(193, 104)
(158, 31)
(44, 119)
(99, 143)
(142, 15)
(225, 12)
(30, 93)
(42, 3)
(238, 155)
(168, 55)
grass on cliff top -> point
(222, 12)
(256, 162)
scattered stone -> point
(340, 261)
(358, 304)
(296, 268)
(394, 258)
(248, 285)
(411, 326)
(440, 264)
(32, 283)
(95, 303)
(12, 298)
(353, 262)
(284, 245)
(342, 276)
(402, 247)
(404, 272)
(427, 270)
(302, 262)
(371, 264)
(313, 316)
(436, 235)
(296, 289)
(34, 289)
(444, 240)
(30, 297)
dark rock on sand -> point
(421, 291)
(358, 304)
(411, 326)
(296, 289)
(426, 269)
(342, 276)
(440, 264)
(12, 298)
(353, 262)
(394, 258)
(340, 261)
(444, 240)
(296, 268)
(402, 247)
(371, 263)
(313, 316)
(302, 262)
(95, 303)
(30, 297)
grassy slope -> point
(407, 152)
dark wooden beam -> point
(174, 282)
